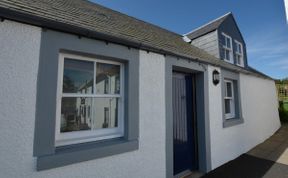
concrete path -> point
(268, 159)
(275, 148)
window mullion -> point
(94, 82)
(121, 103)
(93, 108)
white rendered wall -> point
(19, 56)
(260, 113)
(152, 114)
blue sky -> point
(262, 23)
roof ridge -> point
(202, 26)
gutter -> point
(79, 31)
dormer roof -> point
(207, 28)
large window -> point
(239, 53)
(82, 94)
(229, 99)
(227, 48)
(90, 100)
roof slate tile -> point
(87, 15)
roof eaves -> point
(79, 31)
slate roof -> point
(88, 19)
(209, 27)
(258, 72)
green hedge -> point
(285, 105)
(283, 112)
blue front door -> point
(184, 130)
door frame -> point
(193, 122)
(202, 100)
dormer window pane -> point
(239, 53)
(228, 41)
(227, 55)
(227, 48)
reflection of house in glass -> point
(83, 113)
(108, 79)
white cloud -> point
(268, 51)
(281, 64)
(268, 46)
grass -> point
(285, 105)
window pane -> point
(78, 76)
(108, 79)
(227, 55)
(79, 113)
(76, 114)
(238, 59)
(105, 113)
(227, 106)
(228, 89)
(228, 42)
(238, 48)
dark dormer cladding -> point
(222, 39)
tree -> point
(68, 84)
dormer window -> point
(227, 48)
(239, 53)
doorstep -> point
(194, 174)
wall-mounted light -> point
(216, 77)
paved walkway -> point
(275, 148)
(268, 159)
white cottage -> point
(90, 92)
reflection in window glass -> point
(108, 79)
(227, 106)
(79, 113)
(75, 114)
(105, 113)
(78, 76)
(228, 89)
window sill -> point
(232, 122)
(83, 152)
